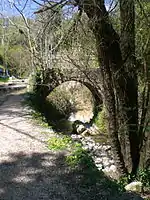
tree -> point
(14, 46)
(118, 73)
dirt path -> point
(29, 171)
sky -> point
(7, 9)
(27, 6)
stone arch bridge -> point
(56, 76)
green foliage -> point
(14, 47)
(4, 80)
(40, 119)
(60, 143)
(32, 101)
(144, 176)
(48, 113)
(123, 181)
(101, 121)
(80, 157)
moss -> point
(101, 121)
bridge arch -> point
(55, 77)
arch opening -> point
(68, 102)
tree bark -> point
(110, 60)
(127, 18)
(118, 74)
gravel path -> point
(29, 171)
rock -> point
(113, 168)
(106, 161)
(98, 160)
(81, 128)
(76, 137)
(86, 147)
(111, 161)
(99, 166)
(106, 170)
(103, 154)
(91, 145)
(84, 143)
(135, 186)
(97, 153)
(107, 147)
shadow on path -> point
(46, 176)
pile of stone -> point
(101, 154)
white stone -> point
(107, 147)
(98, 160)
(106, 170)
(90, 146)
(86, 147)
(103, 154)
(113, 168)
(106, 163)
(80, 129)
(111, 161)
(105, 160)
(99, 166)
(135, 186)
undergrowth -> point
(60, 143)
(100, 121)
(79, 159)
(77, 156)
(47, 113)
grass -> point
(39, 118)
(77, 154)
(100, 121)
(60, 143)
(4, 80)
(48, 113)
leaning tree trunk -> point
(110, 60)
(118, 75)
(127, 17)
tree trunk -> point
(118, 75)
(127, 17)
(110, 60)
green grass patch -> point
(60, 143)
(4, 80)
(39, 118)
(79, 157)
(101, 121)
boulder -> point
(80, 128)
(135, 186)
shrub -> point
(144, 176)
